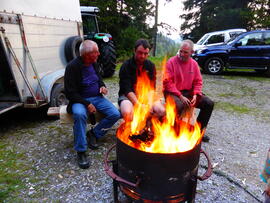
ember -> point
(150, 134)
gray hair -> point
(87, 46)
(187, 42)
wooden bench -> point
(65, 117)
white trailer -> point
(33, 41)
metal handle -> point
(209, 170)
(112, 174)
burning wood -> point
(151, 134)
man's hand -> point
(193, 100)
(91, 108)
(185, 100)
(103, 90)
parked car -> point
(217, 37)
(250, 50)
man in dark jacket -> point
(84, 88)
(128, 74)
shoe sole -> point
(84, 166)
(92, 147)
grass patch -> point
(113, 79)
(259, 79)
(156, 60)
(239, 70)
(11, 172)
(229, 107)
(118, 66)
(226, 95)
(254, 78)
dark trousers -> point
(203, 103)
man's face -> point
(141, 54)
(185, 52)
(91, 57)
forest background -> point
(129, 20)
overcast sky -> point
(169, 13)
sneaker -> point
(91, 140)
(205, 138)
(82, 160)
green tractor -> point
(107, 58)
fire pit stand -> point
(155, 177)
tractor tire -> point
(72, 47)
(107, 59)
(58, 96)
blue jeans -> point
(80, 116)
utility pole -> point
(155, 30)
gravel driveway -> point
(239, 132)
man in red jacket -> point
(183, 82)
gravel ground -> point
(239, 132)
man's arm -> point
(132, 97)
(169, 85)
(197, 80)
(125, 79)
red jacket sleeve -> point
(168, 80)
(197, 81)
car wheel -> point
(214, 66)
(58, 96)
(267, 72)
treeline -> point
(166, 46)
(202, 16)
(126, 20)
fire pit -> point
(157, 159)
(156, 177)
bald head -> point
(89, 52)
(187, 43)
(186, 50)
(87, 46)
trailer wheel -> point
(107, 59)
(58, 96)
(72, 47)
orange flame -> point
(144, 92)
(169, 135)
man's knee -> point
(79, 115)
(126, 108)
(79, 112)
(159, 109)
(209, 103)
(115, 114)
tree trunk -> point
(155, 30)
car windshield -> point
(201, 41)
